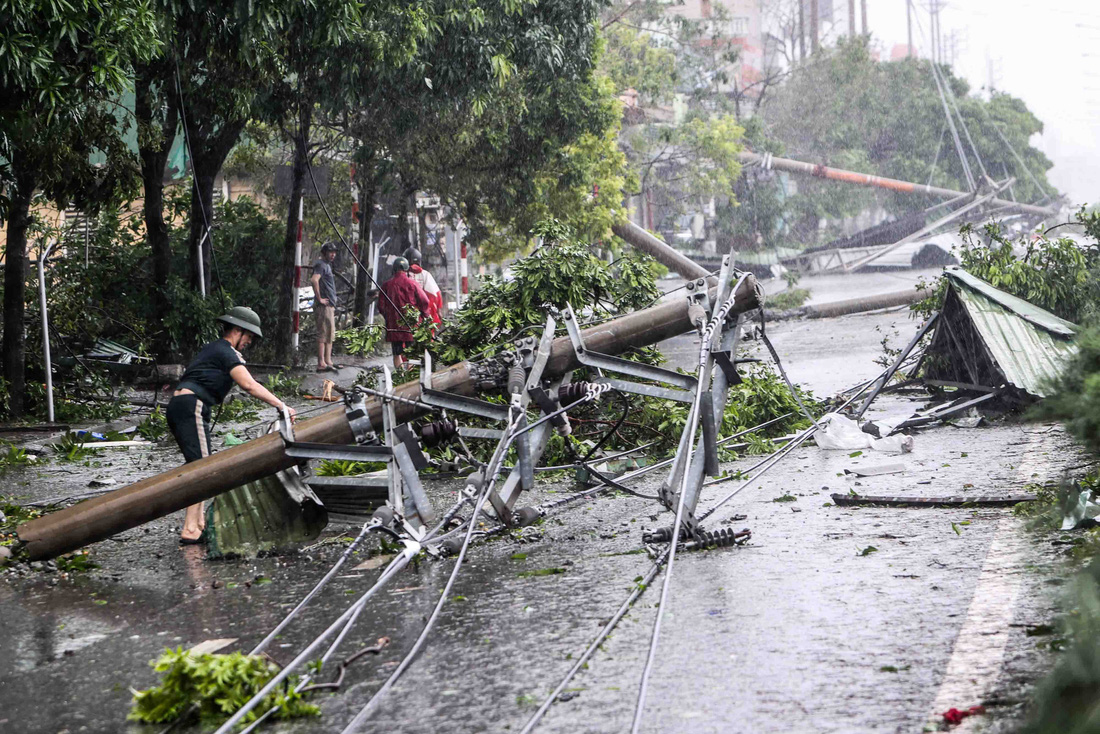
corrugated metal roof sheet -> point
(1030, 345)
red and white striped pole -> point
(297, 271)
(463, 271)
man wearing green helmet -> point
(206, 382)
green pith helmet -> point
(243, 318)
(400, 263)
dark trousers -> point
(189, 421)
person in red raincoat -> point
(427, 282)
(397, 293)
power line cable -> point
(962, 122)
(939, 147)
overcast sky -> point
(1047, 52)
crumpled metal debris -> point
(1081, 513)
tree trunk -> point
(428, 257)
(284, 341)
(363, 282)
(15, 282)
(153, 160)
(209, 151)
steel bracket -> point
(617, 364)
(463, 404)
(715, 383)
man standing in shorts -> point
(324, 306)
(397, 293)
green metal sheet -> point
(1013, 304)
(1030, 345)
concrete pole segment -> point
(668, 256)
(866, 179)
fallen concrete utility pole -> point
(768, 161)
(148, 499)
(668, 256)
(867, 303)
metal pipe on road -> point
(42, 256)
(129, 507)
(867, 303)
(864, 179)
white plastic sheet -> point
(840, 433)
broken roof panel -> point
(1025, 345)
(1018, 306)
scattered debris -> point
(952, 717)
(211, 646)
(274, 513)
(1082, 512)
(875, 471)
(844, 434)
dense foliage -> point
(218, 685)
(1065, 702)
(562, 271)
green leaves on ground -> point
(345, 468)
(154, 427)
(361, 340)
(218, 684)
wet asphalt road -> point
(801, 630)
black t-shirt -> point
(209, 371)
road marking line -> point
(979, 652)
(976, 661)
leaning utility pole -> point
(802, 30)
(815, 31)
(866, 32)
(770, 162)
(909, 27)
(851, 18)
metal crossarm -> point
(617, 364)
